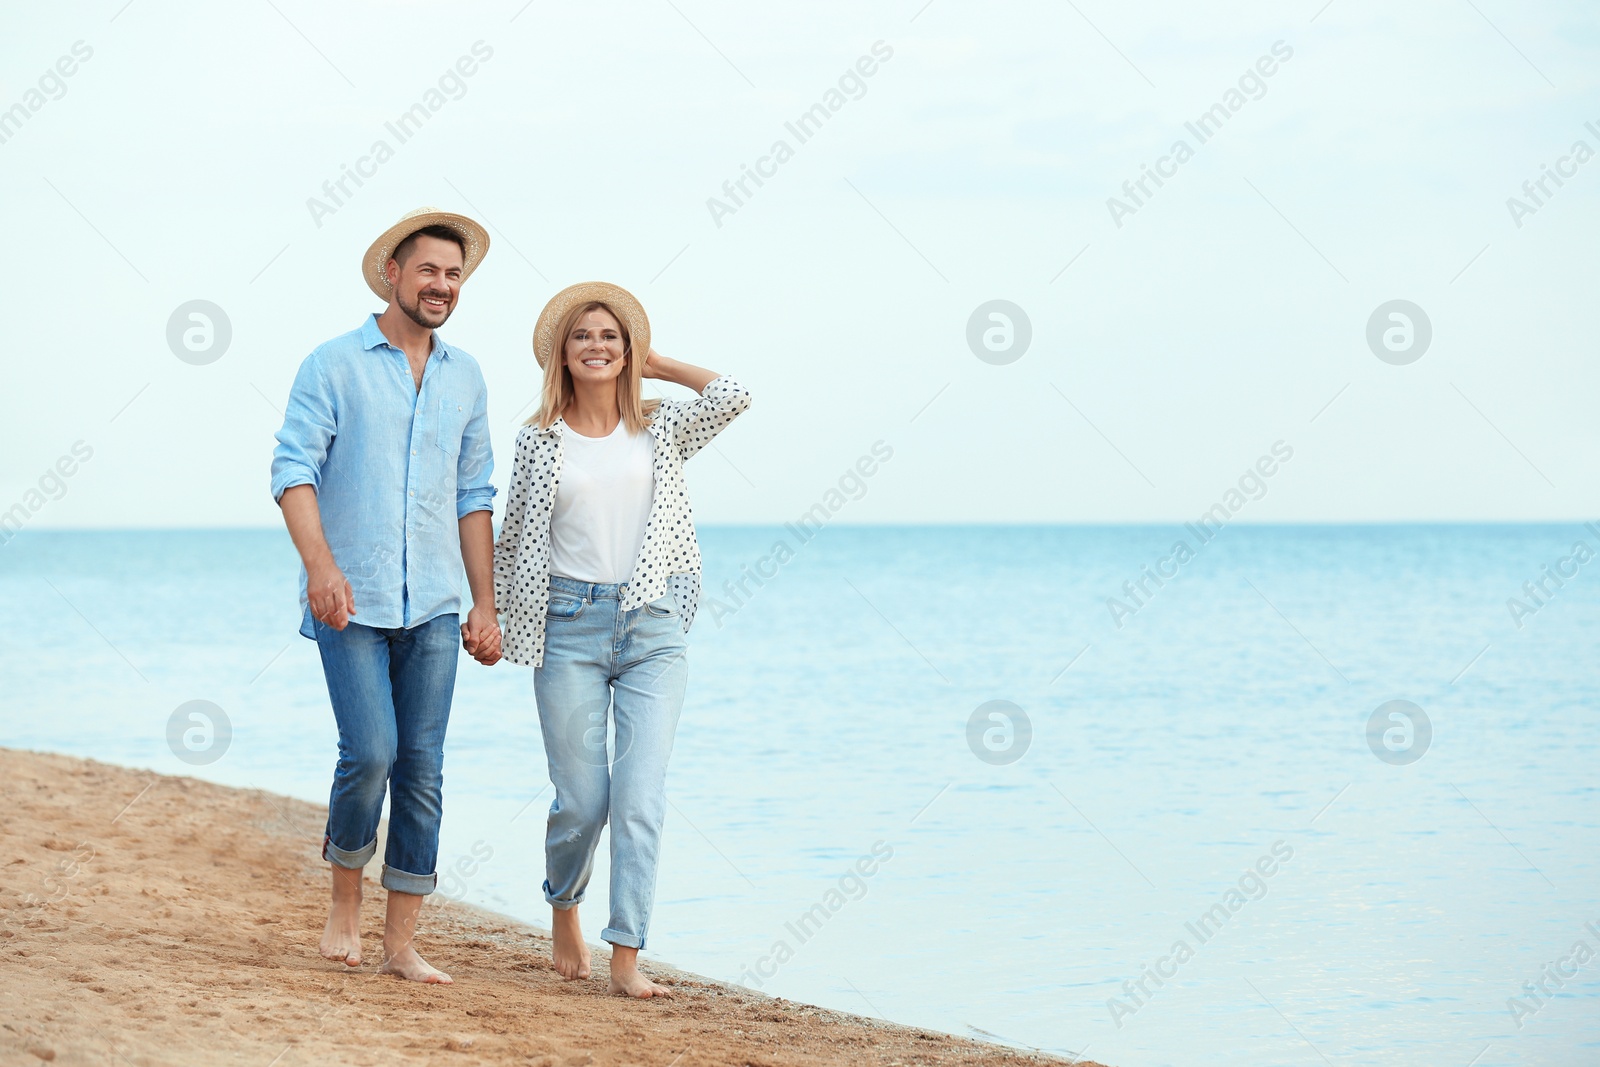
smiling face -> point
(594, 348)
(428, 282)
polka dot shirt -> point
(669, 557)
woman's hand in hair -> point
(670, 370)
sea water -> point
(1059, 787)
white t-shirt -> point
(602, 504)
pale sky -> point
(1228, 312)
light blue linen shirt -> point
(394, 468)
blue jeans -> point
(391, 691)
(598, 657)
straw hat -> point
(628, 309)
(382, 250)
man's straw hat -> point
(382, 250)
(627, 309)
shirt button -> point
(413, 451)
(413, 492)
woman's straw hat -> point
(382, 250)
(618, 299)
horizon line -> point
(1023, 524)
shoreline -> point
(169, 920)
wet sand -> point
(151, 920)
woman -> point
(598, 573)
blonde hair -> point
(558, 392)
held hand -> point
(330, 596)
(652, 364)
(480, 635)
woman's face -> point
(594, 348)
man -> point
(382, 472)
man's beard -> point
(415, 311)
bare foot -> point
(412, 967)
(572, 955)
(341, 938)
(626, 979)
(637, 985)
(399, 956)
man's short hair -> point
(403, 250)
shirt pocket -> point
(452, 424)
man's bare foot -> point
(412, 967)
(399, 956)
(626, 979)
(341, 938)
(572, 955)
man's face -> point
(427, 285)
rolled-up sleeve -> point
(473, 489)
(309, 424)
(723, 400)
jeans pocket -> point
(665, 607)
(564, 606)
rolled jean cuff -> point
(556, 902)
(403, 882)
(617, 937)
(350, 861)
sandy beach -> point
(152, 920)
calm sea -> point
(923, 772)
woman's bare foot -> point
(412, 967)
(341, 938)
(572, 955)
(626, 979)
